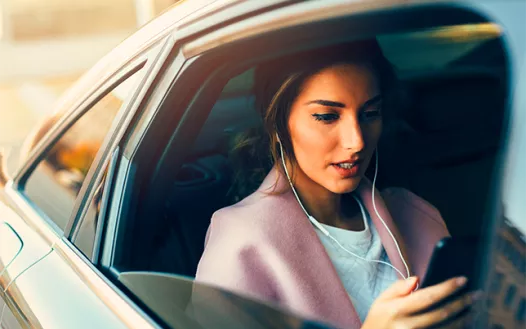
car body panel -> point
(49, 284)
(33, 248)
(53, 281)
(39, 258)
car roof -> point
(190, 14)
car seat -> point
(448, 156)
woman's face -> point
(334, 124)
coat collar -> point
(277, 182)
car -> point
(104, 222)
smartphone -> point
(453, 257)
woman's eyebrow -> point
(328, 103)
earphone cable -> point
(324, 231)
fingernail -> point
(411, 280)
(461, 281)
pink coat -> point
(265, 247)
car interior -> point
(443, 146)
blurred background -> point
(47, 45)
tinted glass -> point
(511, 252)
(181, 303)
(56, 181)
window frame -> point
(174, 62)
(109, 154)
(234, 49)
(107, 169)
(201, 50)
(111, 294)
(31, 211)
(63, 127)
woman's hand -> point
(398, 308)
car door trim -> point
(304, 13)
(15, 233)
(116, 300)
(137, 103)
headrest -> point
(457, 119)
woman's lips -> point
(348, 172)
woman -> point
(316, 237)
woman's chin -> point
(346, 186)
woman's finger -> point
(445, 313)
(422, 299)
(399, 289)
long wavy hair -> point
(254, 152)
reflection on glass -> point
(182, 303)
(508, 282)
(56, 182)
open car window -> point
(443, 147)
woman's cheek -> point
(315, 143)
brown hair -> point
(277, 84)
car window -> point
(169, 238)
(171, 298)
(55, 183)
(174, 241)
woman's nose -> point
(352, 137)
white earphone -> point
(362, 209)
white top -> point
(364, 281)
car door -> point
(488, 8)
(40, 285)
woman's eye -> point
(328, 117)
